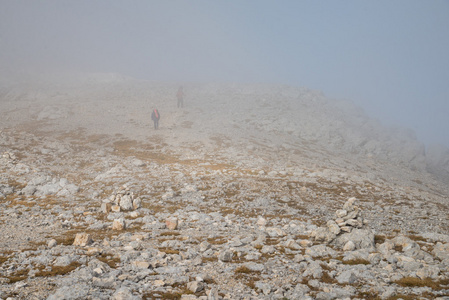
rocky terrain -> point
(248, 192)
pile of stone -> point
(11, 157)
(348, 218)
(121, 200)
(348, 230)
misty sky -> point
(390, 57)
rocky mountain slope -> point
(248, 192)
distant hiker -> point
(155, 116)
(180, 96)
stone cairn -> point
(348, 226)
(121, 200)
(347, 219)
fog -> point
(390, 57)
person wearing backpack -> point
(155, 116)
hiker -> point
(155, 116)
(180, 96)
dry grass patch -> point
(326, 278)
(170, 233)
(217, 240)
(4, 256)
(3, 259)
(177, 293)
(379, 239)
(18, 276)
(417, 238)
(408, 297)
(305, 281)
(258, 247)
(357, 261)
(369, 295)
(245, 270)
(59, 270)
(127, 148)
(247, 276)
(271, 241)
(14, 201)
(210, 259)
(283, 250)
(164, 295)
(111, 260)
(427, 282)
(154, 208)
(16, 185)
(398, 248)
(35, 246)
(169, 250)
(68, 237)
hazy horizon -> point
(389, 57)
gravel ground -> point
(234, 157)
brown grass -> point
(358, 261)
(169, 233)
(18, 276)
(247, 276)
(59, 270)
(379, 239)
(417, 238)
(271, 241)
(4, 256)
(111, 260)
(244, 269)
(427, 282)
(206, 260)
(406, 297)
(169, 251)
(174, 295)
(326, 278)
(398, 248)
(162, 295)
(217, 240)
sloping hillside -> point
(248, 191)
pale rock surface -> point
(82, 239)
